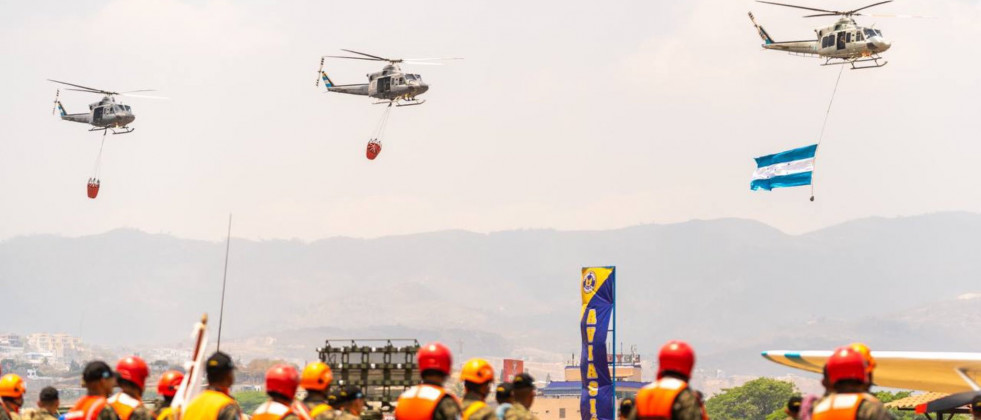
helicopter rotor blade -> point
(823, 14)
(130, 95)
(852, 12)
(801, 7)
(88, 89)
(353, 58)
(432, 59)
(368, 55)
(141, 90)
(896, 16)
(422, 63)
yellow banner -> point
(591, 281)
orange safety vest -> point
(124, 405)
(271, 410)
(207, 405)
(420, 402)
(655, 401)
(87, 408)
(839, 406)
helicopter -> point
(104, 115)
(845, 40)
(389, 86)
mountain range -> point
(731, 287)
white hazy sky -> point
(569, 115)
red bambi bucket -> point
(374, 148)
(93, 188)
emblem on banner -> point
(589, 282)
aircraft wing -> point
(924, 371)
(800, 47)
(360, 89)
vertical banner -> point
(596, 285)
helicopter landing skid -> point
(874, 60)
(413, 102)
(123, 130)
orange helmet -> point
(477, 371)
(847, 364)
(12, 386)
(866, 354)
(316, 376)
(169, 382)
(675, 356)
(133, 369)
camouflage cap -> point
(523, 381)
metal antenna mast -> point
(224, 279)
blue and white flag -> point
(792, 168)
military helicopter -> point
(390, 85)
(845, 40)
(107, 114)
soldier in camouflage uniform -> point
(47, 404)
(99, 380)
(793, 407)
(675, 363)
(215, 403)
(523, 390)
(429, 400)
(848, 376)
(12, 391)
(478, 378)
(131, 374)
(316, 379)
(349, 402)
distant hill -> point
(732, 287)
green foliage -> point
(759, 399)
(249, 400)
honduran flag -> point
(792, 168)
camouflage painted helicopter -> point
(845, 40)
(389, 86)
(107, 114)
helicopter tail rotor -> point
(57, 105)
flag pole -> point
(615, 406)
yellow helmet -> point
(12, 386)
(477, 371)
(866, 354)
(316, 376)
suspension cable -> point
(824, 125)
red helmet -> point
(435, 356)
(133, 369)
(169, 382)
(675, 356)
(847, 364)
(283, 380)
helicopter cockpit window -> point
(410, 77)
